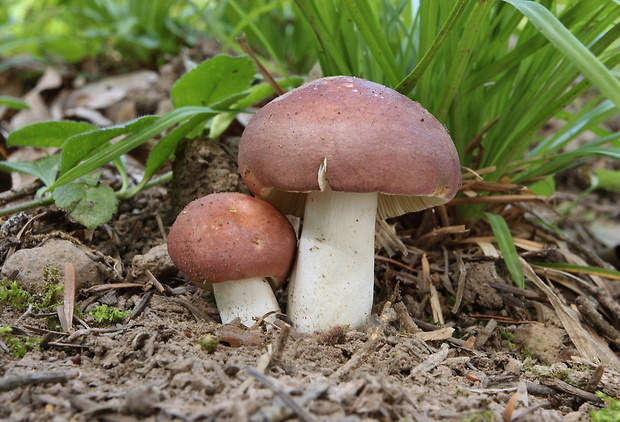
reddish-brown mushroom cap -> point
(373, 139)
(231, 236)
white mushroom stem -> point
(332, 280)
(247, 299)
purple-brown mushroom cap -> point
(373, 139)
(231, 236)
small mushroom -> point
(241, 245)
(342, 152)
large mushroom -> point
(342, 152)
(241, 245)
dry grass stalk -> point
(590, 347)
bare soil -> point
(505, 354)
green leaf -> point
(606, 179)
(13, 103)
(167, 145)
(80, 146)
(45, 169)
(571, 47)
(545, 187)
(47, 134)
(256, 94)
(219, 81)
(114, 151)
(86, 202)
(507, 247)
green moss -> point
(20, 299)
(611, 413)
(13, 295)
(52, 290)
(18, 345)
(104, 314)
(506, 335)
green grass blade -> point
(507, 247)
(411, 80)
(167, 145)
(332, 58)
(378, 45)
(13, 103)
(571, 47)
(582, 121)
(459, 64)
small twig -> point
(395, 262)
(358, 357)
(530, 410)
(196, 312)
(9, 383)
(510, 406)
(160, 225)
(274, 386)
(86, 331)
(569, 389)
(25, 314)
(587, 306)
(528, 294)
(99, 288)
(4, 347)
(434, 360)
(68, 345)
(270, 80)
(140, 307)
(460, 288)
(15, 194)
(584, 251)
(261, 366)
(155, 281)
(280, 343)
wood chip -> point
(12, 382)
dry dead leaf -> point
(39, 110)
(590, 346)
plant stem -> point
(34, 203)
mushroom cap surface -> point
(372, 138)
(232, 236)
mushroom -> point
(343, 152)
(241, 245)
